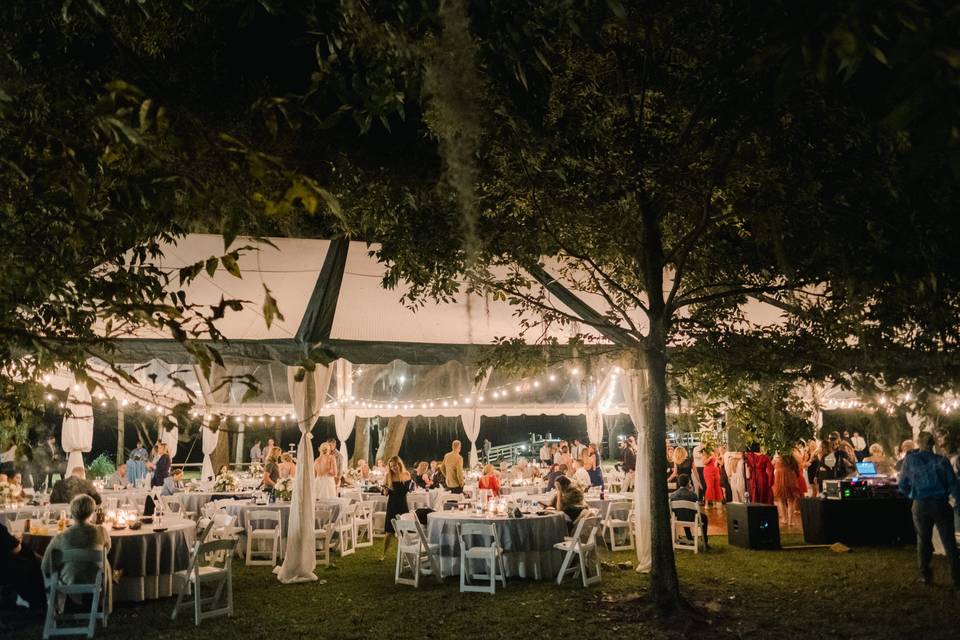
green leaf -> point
(212, 263)
(229, 262)
(270, 309)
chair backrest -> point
(617, 509)
(347, 512)
(363, 510)
(322, 515)
(91, 558)
(221, 520)
(486, 531)
(214, 553)
(586, 529)
(256, 518)
(685, 505)
(406, 531)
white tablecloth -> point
(241, 509)
(527, 542)
(193, 501)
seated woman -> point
(16, 487)
(569, 499)
(882, 463)
(81, 535)
(489, 480)
(421, 476)
(363, 470)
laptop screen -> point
(866, 469)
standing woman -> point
(161, 468)
(325, 473)
(396, 485)
(733, 464)
(271, 470)
(713, 492)
(786, 486)
(591, 462)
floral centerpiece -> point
(7, 495)
(284, 489)
(256, 469)
(226, 481)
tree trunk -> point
(664, 584)
(361, 443)
(221, 455)
(396, 428)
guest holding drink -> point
(397, 485)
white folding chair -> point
(415, 555)
(379, 520)
(583, 544)
(678, 527)
(363, 525)
(98, 591)
(172, 506)
(263, 527)
(324, 528)
(613, 522)
(489, 552)
(211, 565)
(345, 531)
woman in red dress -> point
(713, 492)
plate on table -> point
(159, 529)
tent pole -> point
(239, 453)
(120, 435)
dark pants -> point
(703, 527)
(927, 513)
(21, 573)
(702, 489)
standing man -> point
(486, 450)
(859, 446)
(256, 453)
(929, 480)
(452, 468)
(546, 456)
(576, 449)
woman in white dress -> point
(732, 461)
(324, 471)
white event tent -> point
(380, 356)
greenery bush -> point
(101, 467)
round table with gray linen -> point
(527, 542)
(143, 560)
(240, 509)
(193, 501)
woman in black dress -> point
(396, 485)
(162, 467)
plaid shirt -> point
(927, 475)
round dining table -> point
(528, 542)
(241, 509)
(193, 501)
(143, 560)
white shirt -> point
(698, 455)
(858, 443)
(576, 450)
(545, 453)
(582, 478)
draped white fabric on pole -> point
(171, 438)
(594, 425)
(343, 421)
(633, 382)
(308, 396)
(471, 424)
(76, 437)
(209, 444)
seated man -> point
(65, 490)
(20, 572)
(556, 471)
(119, 478)
(173, 483)
(685, 493)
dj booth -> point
(858, 521)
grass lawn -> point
(867, 593)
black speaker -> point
(753, 526)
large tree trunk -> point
(221, 455)
(664, 584)
(396, 428)
(361, 444)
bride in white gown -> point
(324, 471)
